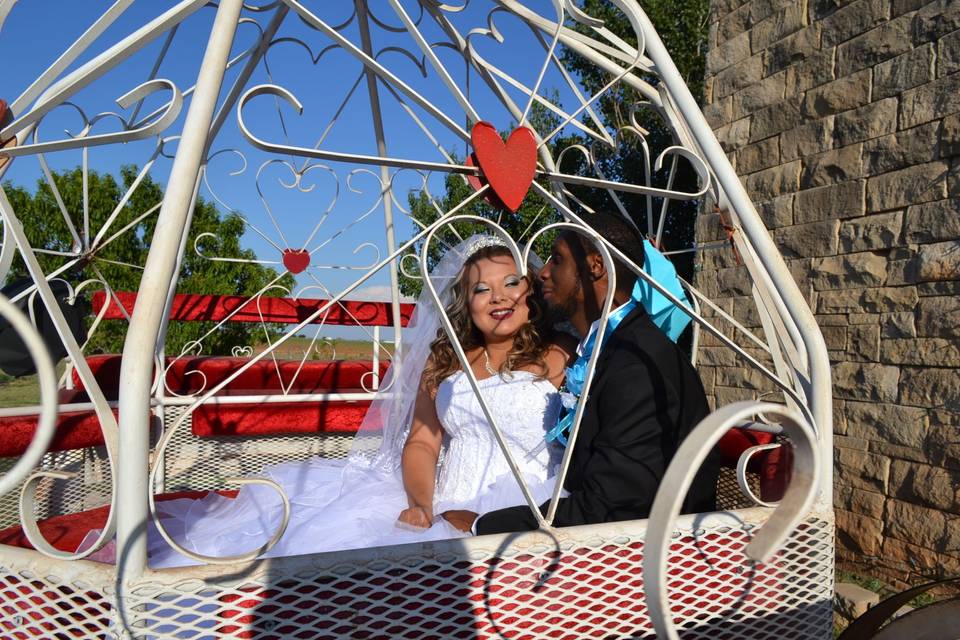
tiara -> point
(481, 241)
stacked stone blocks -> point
(843, 120)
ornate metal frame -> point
(791, 342)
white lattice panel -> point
(491, 587)
(729, 495)
(89, 488)
(579, 588)
(42, 598)
(204, 463)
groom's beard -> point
(564, 310)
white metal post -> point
(160, 269)
(374, 93)
(376, 358)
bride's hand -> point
(418, 517)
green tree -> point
(683, 27)
(119, 259)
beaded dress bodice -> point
(524, 406)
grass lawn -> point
(17, 392)
(294, 348)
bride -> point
(400, 493)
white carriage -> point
(119, 434)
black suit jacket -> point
(644, 400)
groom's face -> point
(561, 280)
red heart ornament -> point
(479, 181)
(296, 260)
(510, 167)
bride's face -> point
(497, 297)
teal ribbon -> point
(665, 314)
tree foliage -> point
(683, 27)
(118, 257)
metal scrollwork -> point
(131, 133)
(686, 462)
(47, 380)
(445, 79)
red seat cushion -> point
(278, 418)
(313, 376)
(735, 441)
(191, 374)
(217, 308)
(68, 531)
(74, 430)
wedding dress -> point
(337, 505)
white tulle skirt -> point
(333, 507)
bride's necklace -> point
(487, 365)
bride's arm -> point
(419, 461)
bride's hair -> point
(529, 345)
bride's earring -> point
(486, 363)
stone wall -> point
(843, 120)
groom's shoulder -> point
(640, 345)
(638, 334)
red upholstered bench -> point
(81, 429)
(211, 308)
(74, 429)
(66, 532)
(190, 375)
(183, 376)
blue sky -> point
(37, 31)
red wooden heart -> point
(510, 167)
(479, 181)
(296, 260)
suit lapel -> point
(622, 328)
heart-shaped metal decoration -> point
(508, 167)
(296, 260)
(479, 181)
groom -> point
(644, 400)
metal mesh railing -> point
(729, 495)
(89, 488)
(589, 584)
(589, 587)
(43, 605)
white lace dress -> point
(336, 506)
